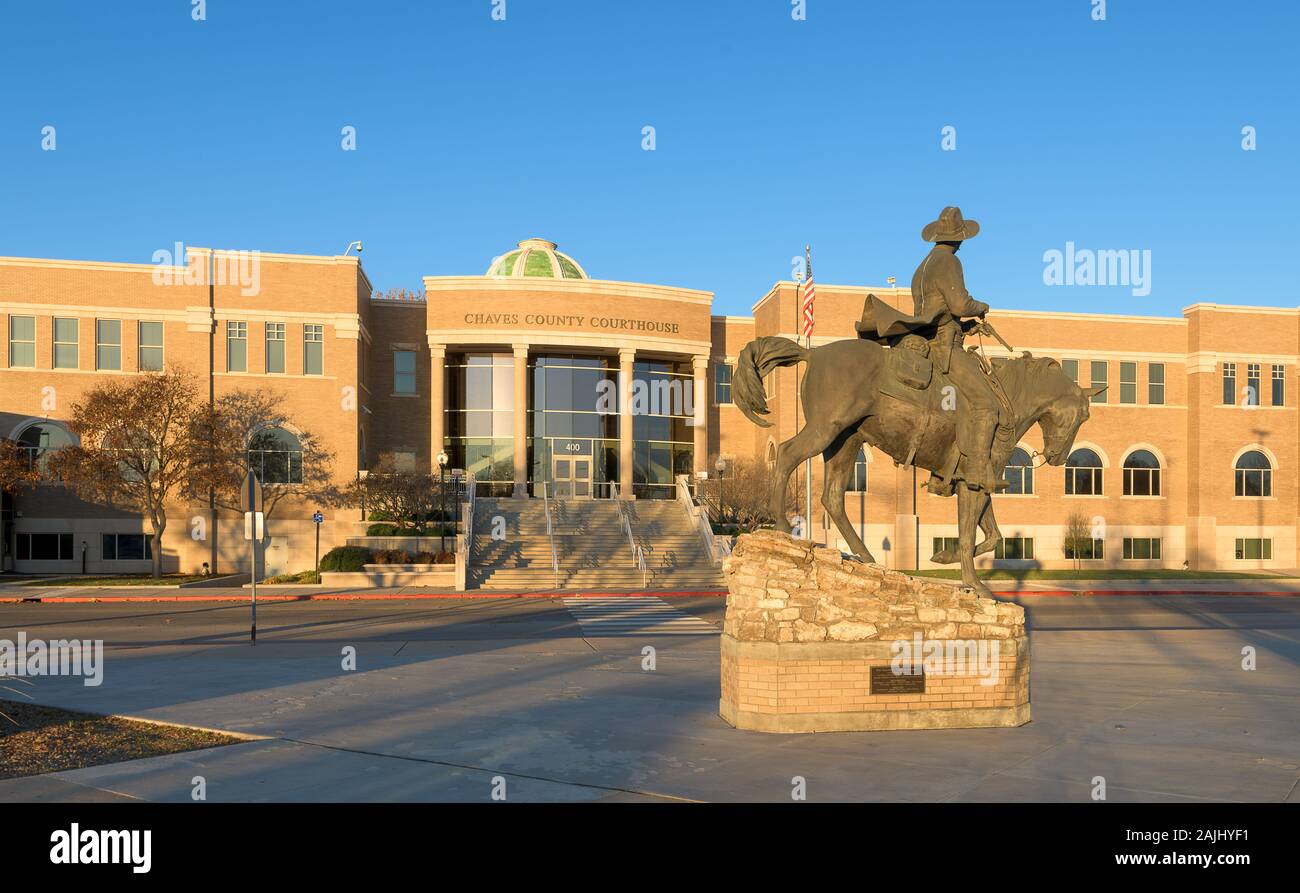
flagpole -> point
(798, 321)
(808, 464)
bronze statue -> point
(941, 307)
(908, 388)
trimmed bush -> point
(348, 559)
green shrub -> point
(347, 559)
(392, 556)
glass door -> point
(572, 477)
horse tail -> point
(758, 358)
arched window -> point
(1141, 474)
(1019, 473)
(1083, 473)
(41, 438)
(276, 455)
(858, 483)
(1254, 474)
(771, 456)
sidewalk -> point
(1264, 586)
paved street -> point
(1147, 692)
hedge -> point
(347, 559)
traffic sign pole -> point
(317, 518)
(251, 493)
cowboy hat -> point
(950, 227)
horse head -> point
(1042, 393)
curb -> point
(359, 596)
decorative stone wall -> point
(816, 642)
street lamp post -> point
(721, 466)
(442, 501)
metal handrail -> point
(465, 538)
(638, 556)
(699, 515)
(550, 532)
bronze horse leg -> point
(971, 507)
(838, 461)
(992, 534)
(812, 439)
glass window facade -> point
(480, 404)
(663, 438)
(573, 423)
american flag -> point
(809, 295)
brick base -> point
(826, 687)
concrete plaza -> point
(1147, 692)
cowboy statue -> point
(943, 313)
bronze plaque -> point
(884, 681)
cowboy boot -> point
(980, 473)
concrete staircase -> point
(591, 547)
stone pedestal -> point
(814, 642)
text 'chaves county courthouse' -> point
(507, 373)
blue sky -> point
(771, 133)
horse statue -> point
(857, 391)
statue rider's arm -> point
(959, 300)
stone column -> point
(437, 401)
(521, 420)
(626, 356)
(701, 407)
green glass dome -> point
(536, 258)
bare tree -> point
(138, 448)
(742, 497)
(1078, 537)
(17, 470)
(407, 497)
(251, 428)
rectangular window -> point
(128, 547)
(275, 347)
(403, 372)
(108, 344)
(1142, 548)
(722, 383)
(1015, 547)
(151, 346)
(22, 341)
(1253, 396)
(1086, 549)
(1156, 383)
(1128, 382)
(1071, 368)
(1099, 378)
(44, 546)
(1229, 384)
(313, 350)
(236, 346)
(944, 542)
(1254, 550)
(1279, 384)
(66, 336)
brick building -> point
(1190, 455)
